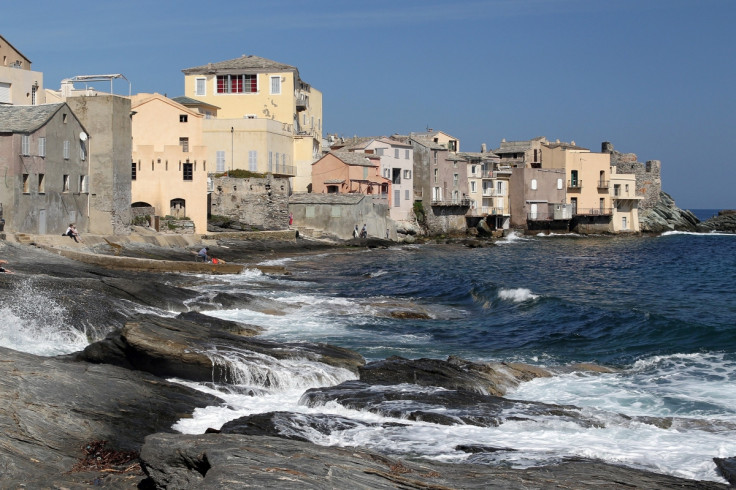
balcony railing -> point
(458, 202)
(491, 193)
(603, 184)
(574, 184)
(540, 216)
(282, 169)
(593, 212)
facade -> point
(625, 202)
(440, 183)
(648, 175)
(169, 166)
(526, 153)
(107, 117)
(341, 213)
(19, 85)
(261, 203)
(397, 165)
(587, 180)
(44, 157)
(255, 88)
(344, 172)
(441, 138)
(537, 199)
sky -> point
(653, 77)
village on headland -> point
(244, 149)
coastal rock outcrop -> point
(724, 222)
(239, 461)
(196, 347)
(666, 216)
(50, 408)
(453, 374)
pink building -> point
(341, 172)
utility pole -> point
(232, 154)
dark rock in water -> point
(50, 408)
(666, 216)
(724, 222)
(439, 406)
(475, 449)
(289, 425)
(183, 348)
(455, 374)
(727, 468)
(240, 461)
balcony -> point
(301, 103)
(491, 193)
(593, 212)
(574, 184)
(458, 202)
(286, 170)
(603, 184)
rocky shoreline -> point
(55, 410)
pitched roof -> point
(26, 118)
(316, 198)
(14, 48)
(246, 63)
(358, 159)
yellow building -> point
(170, 164)
(587, 174)
(279, 105)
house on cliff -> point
(43, 156)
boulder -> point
(195, 347)
(727, 468)
(724, 222)
(666, 216)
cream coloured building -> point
(19, 85)
(170, 162)
(625, 202)
(269, 119)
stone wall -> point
(648, 176)
(259, 202)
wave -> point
(518, 295)
(513, 237)
(697, 233)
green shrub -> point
(241, 174)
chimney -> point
(483, 148)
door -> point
(624, 224)
(574, 202)
(533, 213)
(42, 222)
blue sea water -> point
(661, 310)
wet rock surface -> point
(239, 461)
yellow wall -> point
(589, 167)
(626, 203)
(159, 158)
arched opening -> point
(178, 208)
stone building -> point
(648, 175)
(261, 203)
(44, 158)
(340, 213)
(538, 199)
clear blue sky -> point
(654, 77)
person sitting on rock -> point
(3, 269)
(203, 255)
(72, 232)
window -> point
(283, 162)
(237, 84)
(559, 183)
(397, 198)
(406, 195)
(455, 179)
(396, 176)
(396, 153)
(83, 184)
(41, 183)
(82, 151)
(627, 189)
(435, 175)
(276, 85)
(4, 92)
(379, 152)
(65, 185)
(220, 160)
(200, 85)
(26, 190)
(499, 188)
(184, 143)
(473, 187)
(25, 145)
(472, 169)
(601, 205)
(132, 171)
(270, 161)
(406, 154)
(64, 118)
(534, 184)
(277, 162)
(42, 147)
(616, 189)
(407, 174)
(188, 171)
(183, 118)
(253, 160)
(66, 149)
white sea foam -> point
(518, 295)
(513, 237)
(694, 233)
(36, 324)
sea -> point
(659, 310)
